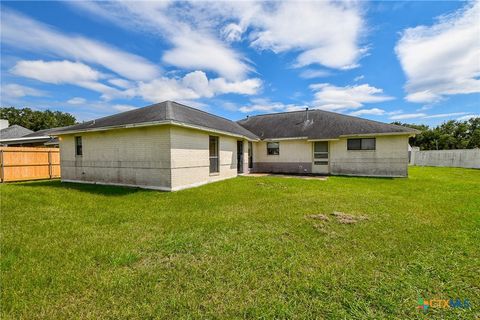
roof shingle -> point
(14, 131)
(320, 125)
(164, 111)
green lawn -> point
(242, 248)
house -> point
(170, 146)
(18, 136)
(40, 138)
(8, 132)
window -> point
(273, 148)
(361, 144)
(250, 155)
(214, 159)
(78, 146)
(320, 153)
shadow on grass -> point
(367, 177)
(90, 188)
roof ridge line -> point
(320, 110)
(211, 114)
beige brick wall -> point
(296, 156)
(389, 159)
(290, 151)
(190, 158)
(136, 156)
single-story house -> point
(40, 138)
(18, 136)
(12, 132)
(170, 146)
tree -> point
(449, 135)
(36, 120)
(474, 141)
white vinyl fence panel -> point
(464, 158)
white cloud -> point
(445, 115)
(121, 83)
(372, 112)
(232, 32)
(317, 34)
(361, 77)
(195, 44)
(55, 71)
(17, 91)
(194, 85)
(468, 117)
(165, 89)
(200, 32)
(123, 107)
(64, 72)
(27, 34)
(442, 59)
(426, 116)
(202, 52)
(315, 73)
(266, 106)
(330, 97)
(408, 116)
(76, 100)
(246, 87)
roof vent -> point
(306, 114)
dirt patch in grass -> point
(340, 217)
(319, 216)
(345, 218)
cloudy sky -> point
(416, 62)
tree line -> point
(36, 120)
(449, 135)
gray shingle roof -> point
(14, 131)
(164, 111)
(320, 125)
(42, 133)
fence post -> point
(1, 160)
(50, 164)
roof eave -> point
(25, 139)
(153, 123)
(410, 134)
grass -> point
(242, 248)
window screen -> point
(213, 149)
(320, 152)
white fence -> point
(464, 158)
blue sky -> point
(415, 62)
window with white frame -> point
(273, 148)
(78, 146)
(361, 144)
(214, 158)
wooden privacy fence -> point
(25, 163)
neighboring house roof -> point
(42, 133)
(40, 136)
(14, 131)
(320, 125)
(164, 112)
